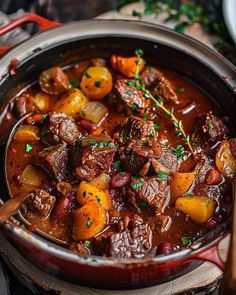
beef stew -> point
(108, 166)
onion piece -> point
(94, 111)
(32, 176)
(102, 181)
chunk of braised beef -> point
(130, 99)
(54, 160)
(136, 153)
(203, 165)
(153, 77)
(59, 128)
(209, 130)
(93, 155)
(167, 162)
(134, 128)
(160, 223)
(133, 242)
(40, 203)
(148, 192)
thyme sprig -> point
(140, 85)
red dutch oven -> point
(77, 41)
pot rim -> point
(106, 28)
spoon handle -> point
(229, 282)
(11, 206)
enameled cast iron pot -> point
(77, 41)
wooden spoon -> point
(11, 206)
(229, 281)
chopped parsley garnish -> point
(134, 107)
(131, 82)
(129, 92)
(139, 52)
(181, 89)
(87, 244)
(87, 75)
(117, 165)
(186, 241)
(145, 118)
(47, 150)
(143, 205)
(72, 84)
(44, 116)
(28, 148)
(83, 113)
(89, 222)
(101, 143)
(99, 201)
(179, 151)
(98, 84)
(162, 175)
(136, 185)
(156, 126)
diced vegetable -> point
(225, 160)
(96, 82)
(32, 176)
(71, 103)
(93, 111)
(41, 100)
(89, 220)
(127, 65)
(27, 132)
(88, 192)
(102, 181)
(180, 184)
(199, 208)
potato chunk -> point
(199, 208)
(225, 160)
(180, 184)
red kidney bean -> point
(227, 199)
(213, 177)
(63, 206)
(87, 125)
(120, 179)
(216, 218)
(164, 248)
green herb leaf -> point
(98, 84)
(136, 185)
(134, 107)
(179, 151)
(87, 244)
(117, 165)
(156, 126)
(28, 148)
(162, 175)
(72, 84)
(139, 52)
(89, 222)
(131, 82)
(186, 241)
(87, 75)
(180, 28)
(143, 205)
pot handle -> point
(44, 24)
(211, 254)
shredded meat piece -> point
(154, 192)
(209, 130)
(92, 156)
(162, 86)
(54, 160)
(129, 97)
(59, 128)
(40, 203)
(134, 242)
